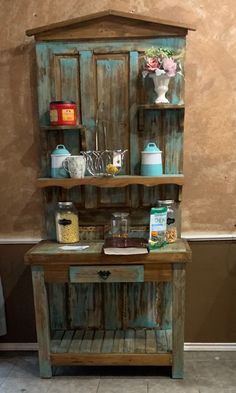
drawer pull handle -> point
(104, 274)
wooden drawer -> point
(107, 273)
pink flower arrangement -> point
(160, 61)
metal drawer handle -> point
(104, 274)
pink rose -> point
(169, 66)
(152, 64)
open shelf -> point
(109, 182)
(118, 340)
(160, 106)
(61, 128)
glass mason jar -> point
(119, 225)
(171, 227)
(67, 223)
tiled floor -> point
(205, 372)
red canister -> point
(63, 113)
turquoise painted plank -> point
(97, 341)
(87, 341)
(161, 341)
(141, 308)
(107, 344)
(129, 340)
(85, 305)
(57, 306)
(116, 45)
(151, 341)
(112, 306)
(167, 306)
(118, 345)
(76, 341)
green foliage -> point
(159, 52)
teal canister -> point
(58, 155)
(151, 161)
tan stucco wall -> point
(209, 202)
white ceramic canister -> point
(58, 155)
(151, 162)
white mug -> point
(75, 166)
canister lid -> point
(151, 148)
(62, 102)
(60, 151)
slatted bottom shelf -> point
(131, 346)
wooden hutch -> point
(136, 316)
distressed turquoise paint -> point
(109, 46)
(141, 305)
(112, 297)
(173, 142)
(57, 306)
(44, 83)
(167, 306)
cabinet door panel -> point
(112, 113)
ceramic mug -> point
(75, 166)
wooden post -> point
(178, 320)
(42, 321)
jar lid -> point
(120, 214)
(166, 201)
(64, 204)
(62, 102)
(60, 150)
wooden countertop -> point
(50, 252)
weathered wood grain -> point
(107, 182)
(42, 321)
(134, 273)
(178, 320)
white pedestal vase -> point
(161, 83)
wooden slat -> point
(87, 341)
(161, 341)
(150, 341)
(158, 273)
(66, 341)
(97, 341)
(117, 181)
(56, 340)
(107, 344)
(76, 341)
(118, 345)
(140, 340)
(169, 340)
(129, 340)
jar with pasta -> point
(67, 223)
(171, 227)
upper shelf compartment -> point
(110, 182)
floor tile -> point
(122, 385)
(25, 385)
(74, 385)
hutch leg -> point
(42, 321)
(178, 320)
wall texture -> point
(209, 162)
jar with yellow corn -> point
(171, 227)
(67, 223)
